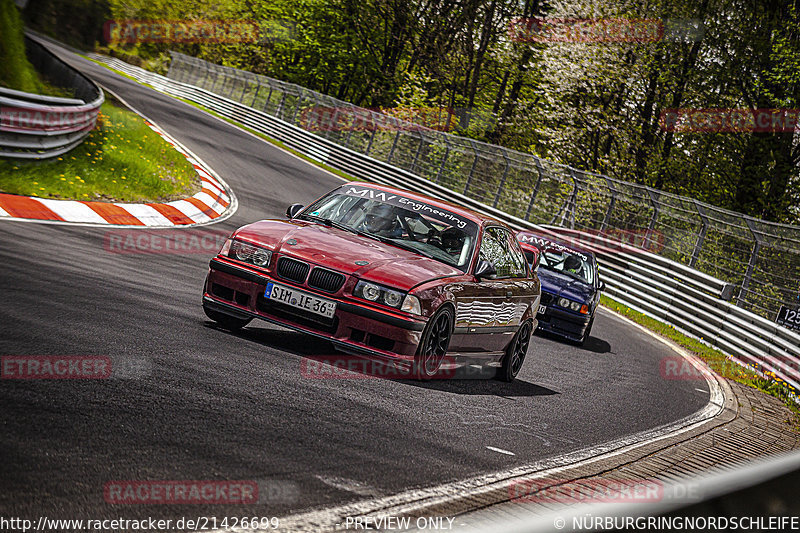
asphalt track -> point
(205, 404)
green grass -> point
(121, 160)
(16, 72)
(717, 360)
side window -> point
(501, 249)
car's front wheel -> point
(515, 353)
(226, 321)
(433, 346)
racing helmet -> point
(380, 219)
(572, 264)
(453, 240)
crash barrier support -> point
(685, 297)
(34, 126)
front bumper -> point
(563, 323)
(239, 292)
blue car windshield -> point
(575, 264)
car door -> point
(488, 310)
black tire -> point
(515, 353)
(586, 333)
(434, 343)
(226, 321)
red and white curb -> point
(215, 202)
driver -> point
(381, 219)
(573, 265)
(453, 241)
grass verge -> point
(717, 360)
(121, 160)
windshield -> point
(421, 228)
(575, 264)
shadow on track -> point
(320, 360)
(593, 344)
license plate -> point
(542, 309)
(300, 299)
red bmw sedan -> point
(383, 272)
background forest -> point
(592, 105)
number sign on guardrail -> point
(789, 317)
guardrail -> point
(685, 297)
(34, 126)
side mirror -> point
(484, 269)
(293, 209)
(601, 286)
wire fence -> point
(761, 258)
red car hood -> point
(339, 250)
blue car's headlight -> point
(575, 306)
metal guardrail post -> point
(374, 126)
(471, 168)
(352, 126)
(740, 300)
(255, 96)
(701, 237)
(539, 171)
(394, 143)
(611, 204)
(444, 160)
(569, 205)
(502, 180)
(656, 209)
(418, 150)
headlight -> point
(225, 247)
(411, 305)
(575, 306)
(377, 293)
(248, 253)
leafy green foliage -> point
(594, 105)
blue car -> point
(570, 286)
